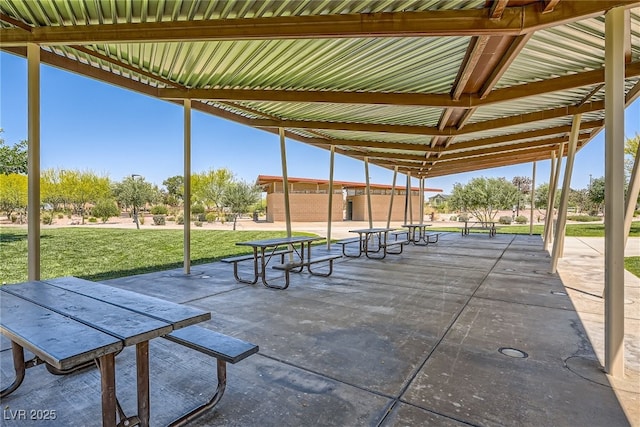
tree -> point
(13, 193)
(630, 149)
(523, 183)
(82, 188)
(239, 197)
(209, 187)
(13, 159)
(135, 192)
(542, 197)
(52, 189)
(579, 199)
(175, 190)
(596, 192)
(484, 197)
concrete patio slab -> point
(409, 340)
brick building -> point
(309, 200)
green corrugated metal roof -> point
(375, 65)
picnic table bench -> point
(289, 266)
(69, 322)
(255, 258)
(345, 242)
(224, 348)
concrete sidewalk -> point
(582, 271)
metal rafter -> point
(514, 21)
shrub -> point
(141, 219)
(521, 219)
(47, 219)
(453, 218)
(92, 219)
(60, 216)
(197, 208)
(198, 223)
(463, 217)
(583, 218)
(180, 219)
(211, 217)
(158, 219)
(504, 220)
(14, 217)
(105, 209)
(201, 217)
(159, 210)
(171, 218)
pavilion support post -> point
(556, 183)
(632, 196)
(285, 182)
(552, 193)
(410, 195)
(406, 199)
(614, 193)
(421, 199)
(552, 172)
(33, 162)
(533, 198)
(366, 174)
(393, 192)
(558, 243)
(330, 208)
(187, 187)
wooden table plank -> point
(122, 323)
(177, 314)
(68, 342)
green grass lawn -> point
(573, 230)
(98, 254)
(632, 264)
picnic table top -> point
(279, 241)
(371, 230)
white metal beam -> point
(366, 175)
(632, 196)
(421, 199)
(533, 198)
(187, 187)
(330, 208)
(558, 243)
(614, 193)
(285, 182)
(410, 198)
(547, 222)
(33, 162)
(393, 191)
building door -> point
(349, 215)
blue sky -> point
(89, 125)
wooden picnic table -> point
(486, 225)
(417, 233)
(373, 241)
(300, 248)
(70, 321)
